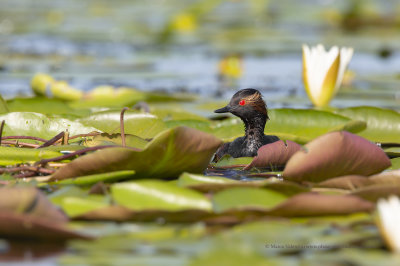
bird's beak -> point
(225, 109)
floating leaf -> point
(93, 179)
(29, 201)
(246, 197)
(374, 193)
(228, 161)
(3, 106)
(115, 139)
(20, 226)
(187, 179)
(349, 182)
(139, 124)
(13, 155)
(336, 154)
(274, 154)
(313, 204)
(297, 125)
(383, 125)
(44, 105)
(74, 206)
(168, 155)
(40, 125)
(157, 195)
(392, 151)
(110, 97)
(395, 163)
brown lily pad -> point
(314, 204)
(120, 213)
(375, 192)
(349, 182)
(15, 225)
(274, 154)
(170, 153)
(336, 154)
(29, 201)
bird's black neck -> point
(254, 127)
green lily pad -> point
(3, 106)
(75, 206)
(135, 123)
(40, 125)
(43, 105)
(383, 125)
(392, 151)
(157, 195)
(196, 124)
(244, 197)
(395, 163)
(298, 125)
(229, 161)
(108, 96)
(187, 179)
(176, 113)
(168, 155)
(93, 179)
(13, 155)
(115, 139)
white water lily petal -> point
(389, 220)
(345, 56)
(317, 63)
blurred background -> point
(210, 47)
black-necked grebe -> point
(249, 106)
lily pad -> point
(228, 161)
(245, 197)
(13, 155)
(336, 154)
(93, 179)
(383, 125)
(298, 125)
(40, 125)
(168, 155)
(313, 204)
(157, 195)
(75, 206)
(139, 124)
(187, 179)
(274, 154)
(395, 163)
(3, 106)
(115, 139)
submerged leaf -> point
(157, 195)
(336, 154)
(274, 154)
(168, 155)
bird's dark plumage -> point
(249, 106)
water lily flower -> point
(389, 220)
(323, 71)
(184, 23)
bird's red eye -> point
(242, 102)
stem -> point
(1, 129)
(53, 140)
(121, 121)
(24, 144)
